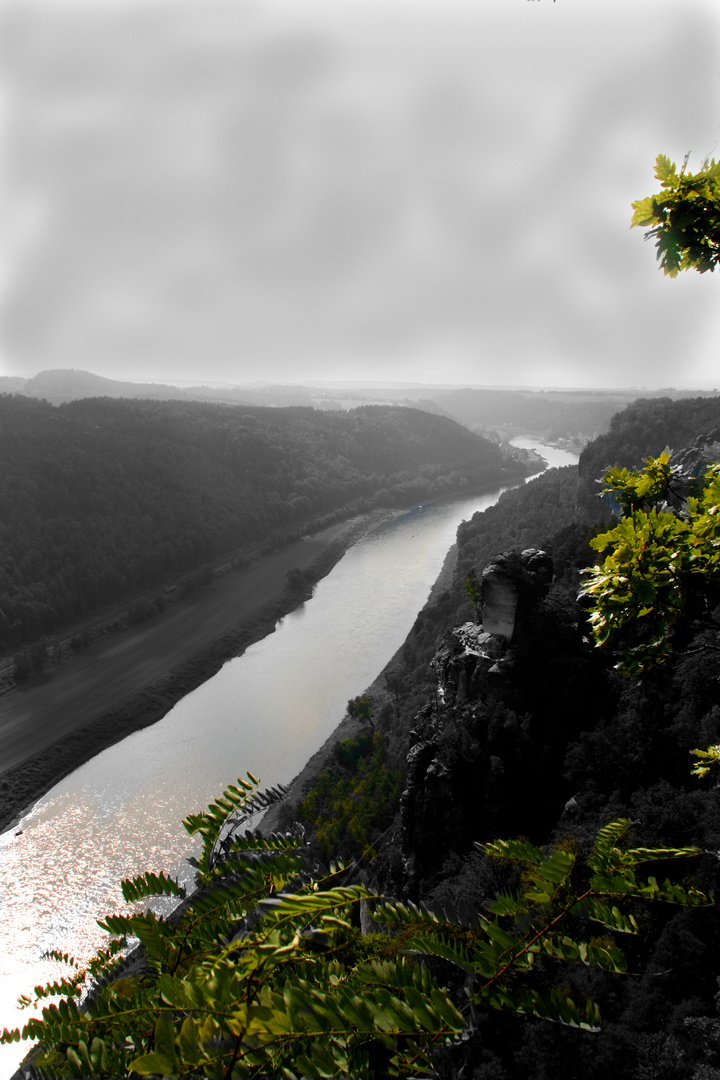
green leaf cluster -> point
(361, 708)
(684, 216)
(655, 556)
(709, 758)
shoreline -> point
(347, 726)
(25, 782)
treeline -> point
(551, 744)
(646, 427)
(104, 497)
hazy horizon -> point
(358, 385)
(311, 192)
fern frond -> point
(395, 913)
(606, 843)
(236, 806)
(148, 884)
(604, 955)
(71, 987)
(427, 945)
(313, 903)
(599, 911)
(558, 1005)
(639, 855)
(274, 842)
(61, 957)
(507, 903)
(521, 851)
(672, 893)
(397, 972)
(119, 926)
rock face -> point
(506, 581)
(469, 665)
(476, 660)
(474, 665)
(428, 787)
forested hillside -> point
(105, 497)
(647, 427)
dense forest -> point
(647, 427)
(108, 497)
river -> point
(267, 711)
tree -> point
(685, 216)
(473, 590)
(361, 708)
(259, 972)
(660, 564)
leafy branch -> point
(684, 215)
(523, 927)
(251, 975)
(655, 559)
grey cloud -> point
(194, 186)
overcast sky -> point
(433, 192)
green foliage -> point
(259, 972)
(709, 758)
(544, 921)
(361, 708)
(343, 811)
(685, 216)
(655, 557)
(474, 593)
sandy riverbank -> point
(134, 678)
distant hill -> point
(67, 384)
(11, 384)
(60, 385)
(111, 496)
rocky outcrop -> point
(508, 583)
(428, 786)
(474, 665)
(470, 665)
(476, 660)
